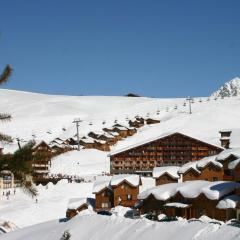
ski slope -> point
(46, 117)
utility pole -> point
(189, 99)
(77, 121)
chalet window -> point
(215, 179)
(105, 205)
(129, 197)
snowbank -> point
(229, 202)
(97, 227)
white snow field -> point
(97, 227)
(45, 117)
(81, 163)
(23, 210)
(52, 203)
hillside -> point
(46, 117)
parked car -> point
(104, 212)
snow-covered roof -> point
(170, 170)
(176, 205)
(205, 161)
(228, 202)
(87, 140)
(161, 192)
(197, 165)
(191, 189)
(227, 153)
(233, 164)
(133, 179)
(101, 183)
(148, 140)
(114, 133)
(100, 141)
(190, 165)
(75, 203)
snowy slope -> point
(45, 116)
(229, 89)
(97, 227)
(81, 163)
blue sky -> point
(153, 48)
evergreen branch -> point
(5, 117)
(4, 77)
(29, 189)
(5, 138)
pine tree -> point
(19, 162)
(4, 77)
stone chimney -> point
(225, 138)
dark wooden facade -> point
(165, 178)
(104, 199)
(125, 194)
(70, 213)
(195, 208)
(173, 149)
(42, 154)
(150, 121)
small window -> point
(129, 197)
(215, 179)
(105, 205)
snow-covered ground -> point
(23, 210)
(46, 117)
(97, 227)
(52, 203)
(81, 163)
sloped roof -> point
(170, 170)
(101, 183)
(133, 179)
(114, 152)
(191, 189)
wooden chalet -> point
(136, 123)
(102, 145)
(87, 142)
(42, 154)
(192, 200)
(77, 205)
(150, 121)
(226, 158)
(170, 149)
(6, 179)
(104, 136)
(125, 189)
(164, 175)
(116, 135)
(116, 190)
(103, 194)
(234, 167)
(205, 169)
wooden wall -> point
(175, 149)
(121, 193)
